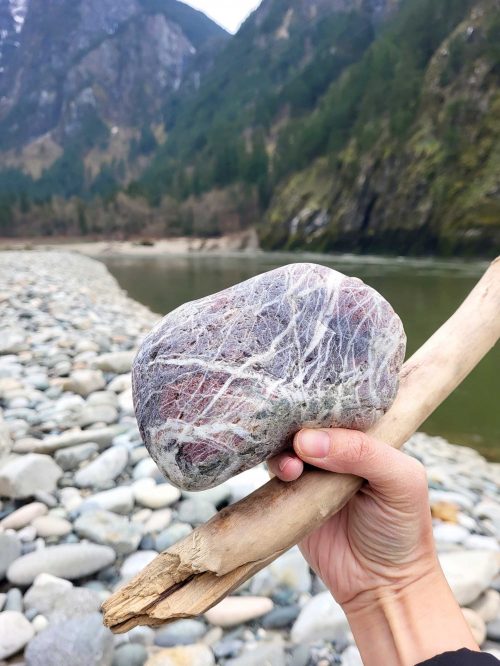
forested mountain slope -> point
(369, 125)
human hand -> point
(377, 555)
(383, 537)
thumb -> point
(388, 471)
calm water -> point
(424, 293)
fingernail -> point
(283, 464)
(314, 443)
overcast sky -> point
(228, 13)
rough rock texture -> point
(224, 382)
(81, 641)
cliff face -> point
(431, 187)
(77, 69)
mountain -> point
(402, 154)
(358, 125)
(82, 82)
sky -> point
(230, 14)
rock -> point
(247, 482)
(153, 496)
(240, 385)
(493, 630)
(101, 436)
(57, 602)
(290, 570)
(5, 440)
(10, 550)
(118, 363)
(12, 341)
(141, 635)
(280, 617)
(158, 521)
(450, 497)
(103, 469)
(97, 414)
(70, 498)
(15, 633)
(48, 579)
(109, 529)
(351, 656)
(81, 641)
(300, 655)
(24, 476)
(476, 624)
(103, 398)
(117, 500)
(52, 526)
(70, 458)
(46, 498)
(132, 654)
(216, 496)
(480, 542)
(27, 534)
(469, 573)
(172, 535)
(213, 636)
(135, 563)
(14, 601)
(126, 402)
(270, 654)
(190, 655)
(39, 623)
(147, 468)
(195, 511)
(120, 384)
(446, 533)
(237, 610)
(182, 632)
(487, 606)
(85, 382)
(228, 647)
(70, 561)
(24, 516)
(321, 619)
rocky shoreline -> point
(83, 507)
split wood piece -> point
(216, 558)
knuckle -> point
(358, 447)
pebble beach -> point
(83, 507)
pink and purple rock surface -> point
(223, 383)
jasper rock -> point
(223, 383)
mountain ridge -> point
(366, 126)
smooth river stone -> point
(223, 383)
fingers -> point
(286, 466)
(388, 470)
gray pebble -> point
(493, 630)
(280, 617)
(131, 654)
(14, 601)
(171, 535)
(183, 632)
(196, 511)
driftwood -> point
(215, 559)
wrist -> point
(408, 622)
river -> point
(423, 292)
